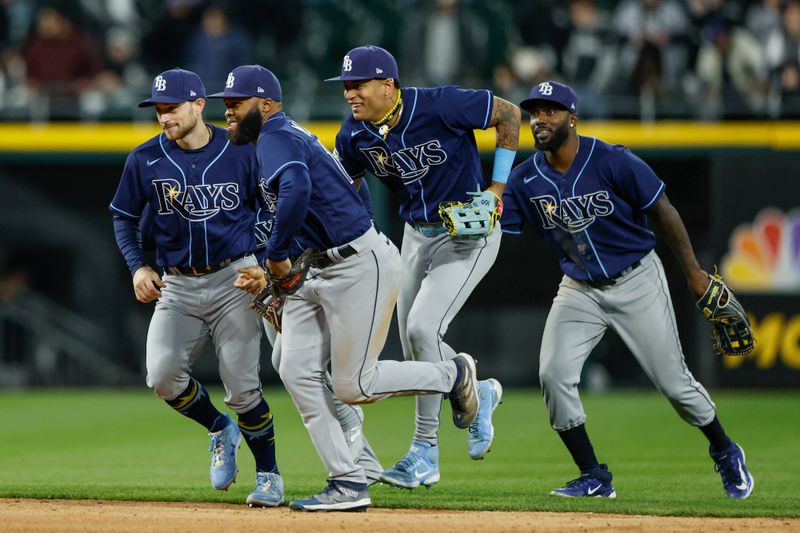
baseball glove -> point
(473, 219)
(269, 300)
(731, 334)
(269, 304)
(291, 282)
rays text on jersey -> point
(409, 164)
(572, 214)
(196, 202)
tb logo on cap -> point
(545, 88)
(160, 83)
(347, 64)
(229, 82)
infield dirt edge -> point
(101, 515)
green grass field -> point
(128, 445)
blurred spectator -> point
(445, 43)
(109, 13)
(507, 85)
(215, 48)
(543, 25)
(17, 19)
(731, 72)
(527, 66)
(783, 60)
(654, 52)
(164, 44)
(763, 17)
(61, 63)
(589, 58)
(123, 81)
(279, 46)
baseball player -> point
(420, 143)
(340, 314)
(590, 202)
(200, 191)
(351, 417)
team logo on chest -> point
(409, 164)
(195, 203)
(573, 214)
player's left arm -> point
(505, 120)
(294, 195)
(667, 219)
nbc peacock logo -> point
(765, 256)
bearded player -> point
(590, 202)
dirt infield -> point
(82, 515)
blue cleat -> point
(736, 479)
(337, 496)
(481, 432)
(268, 491)
(224, 447)
(420, 466)
(595, 483)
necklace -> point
(383, 124)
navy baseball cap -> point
(552, 91)
(175, 86)
(251, 80)
(367, 63)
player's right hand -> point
(698, 281)
(251, 279)
(147, 284)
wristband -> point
(503, 160)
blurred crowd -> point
(629, 59)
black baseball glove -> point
(732, 333)
(291, 282)
(269, 301)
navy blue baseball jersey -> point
(323, 207)
(429, 156)
(265, 215)
(594, 215)
(202, 202)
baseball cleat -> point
(481, 431)
(337, 496)
(224, 447)
(420, 466)
(464, 395)
(268, 491)
(736, 479)
(595, 483)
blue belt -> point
(429, 229)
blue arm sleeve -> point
(260, 255)
(366, 199)
(294, 194)
(129, 241)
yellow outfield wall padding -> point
(123, 137)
